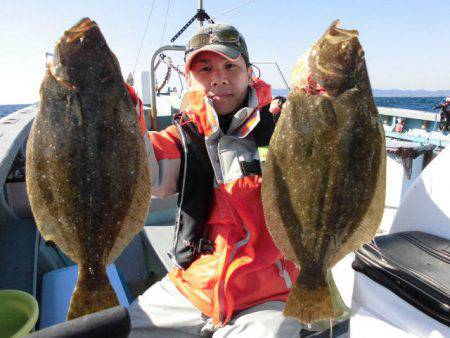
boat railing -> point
(14, 130)
(408, 113)
(153, 66)
(277, 67)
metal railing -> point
(278, 68)
(153, 111)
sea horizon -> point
(426, 103)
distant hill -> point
(410, 93)
(279, 92)
(389, 93)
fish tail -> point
(309, 305)
(341, 311)
(93, 292)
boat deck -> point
(17, 255)
(160, 237)
(17, 236)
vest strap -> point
(205, 246)
(252, 167)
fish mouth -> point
(67, 48)
(339, 34)
(331, 64)
(79, 29)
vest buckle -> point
(205, 246)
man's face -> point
(224, 82)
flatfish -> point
(324, 180)
(86, 165)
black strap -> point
(264, 129)
(252, 167)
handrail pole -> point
(179, 76)
(153, 111)
(278, 68)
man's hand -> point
(137, 103)
(277, 104)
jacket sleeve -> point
(163, 152)
(164, 157)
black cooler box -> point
(414, 265)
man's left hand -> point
(277, 104)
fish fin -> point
(372, 219)
(93, 293)
(137, 213)
(309, 305)
(271, 191)
(341, 311)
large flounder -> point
(87, 173)
(324, 180)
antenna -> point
(201, 18)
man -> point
(276, 105)
(230, 279)
(445, 114)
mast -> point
(200, 10)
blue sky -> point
(407, 42)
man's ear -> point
(250, 73)
(188, 80)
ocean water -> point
(416, 103)
(11, 108)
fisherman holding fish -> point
(323, 187)
(230, 279)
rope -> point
(143, 37)
(165, 21)
(168, 61)
(232, 9)
(163, 57)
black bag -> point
(414, 265)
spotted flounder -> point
(324, 181)
(86, 168)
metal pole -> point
(152, 116)
(179, 76)
(200, 7)
(281, 73)
(279, 70)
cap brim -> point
(227, 52)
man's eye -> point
(230, 66)
(205, 69)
